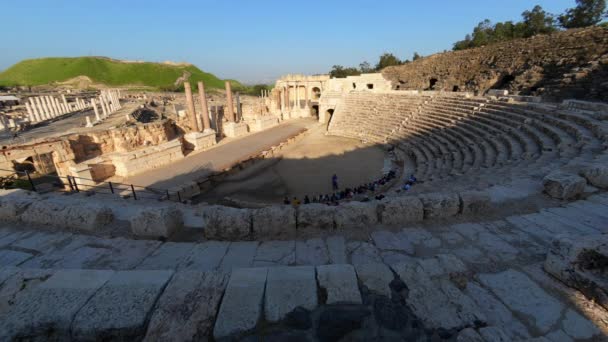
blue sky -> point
(247, 40)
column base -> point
(234, 129)
(201, 140)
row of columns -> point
(285, 103)
(42, 108)
(108, 101)
(198, 123)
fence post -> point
(75, 184)
(111, 187)
(179, 198)
(30, 180)
(133, 190)
(70, 182)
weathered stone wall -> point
(569, 64)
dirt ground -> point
(303, 168)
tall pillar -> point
(296, 97)
(35, 109)
(65, 103)
(47, 113)
(190, 105)
(103, 107)
(94, 105)
(287, 106)
(40, 109)
(202, 97)
(229, 112)
(30, 113)
(306, 96)
(54, 105)
(239, 114)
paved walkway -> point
(463, 282)
(228, 153)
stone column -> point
(306, 89)
(89, 124)
(287, 106)
(239, 114)
(47, 113)
(54, 105)
(190, 106)
(103, 107)
(229, 111)
(30, 113)
(47, 101)
(35, 109)
(40, 109)
(65, 103)
(202, 97)
(94, 105)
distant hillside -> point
(33, 72)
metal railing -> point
(12, 179)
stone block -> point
(234, 129)
(14, 202)
(288, 288)
(78, 215)
(316, 216)
(241, 306)
(474, 202)
(596, 175)
(520, 294)
(438, 205)
(222, 222)
(339, 282)
(186, 310)
(577, 262)
(562, 185)
(157, 222)
(47, 311)
(200, 140)
(274, 221)
(120, 309)
(400, 210)
(376, 277)
(356, 215)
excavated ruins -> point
(502, 236)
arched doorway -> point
(504, 82)
(432, 83)
(328, 116)
(314, 111)
(316, 93)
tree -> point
(339, 71)
(537, 21)
(586, 13)
(365, 68)
(416, 56)
(386, 60)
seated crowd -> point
(360, 192)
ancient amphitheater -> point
(501, 237)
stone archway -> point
(316, 93)
(432, 83)
(314, 111)
(328, 116)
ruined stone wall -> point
(568, 64)
(94, 144)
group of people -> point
(349, 193)
(410, 182)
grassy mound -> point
(33, 72)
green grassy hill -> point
(33, 72)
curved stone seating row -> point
(451, 135)
(220, 222)
(482, 281)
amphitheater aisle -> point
(229, 152)
(468, 281)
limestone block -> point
(234, 129)
(399, 210)
(376, 277)
(288, 288)
(187, 308)
(79, 215)
(596, 175)
(241, 306)
(319, 216)
(356, 215)
(120, 309)
(339, 283)
(222, 222)
(14, 202)
(437, 205)
(46, 312)
(562, 185)
(474, 202)
(577, 262)
(274, 221)
(156, 222)
(201, 140)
